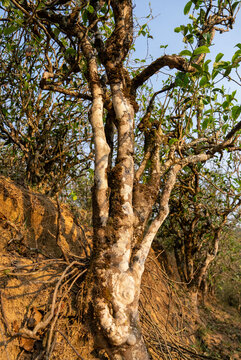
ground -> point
(219, 334)
(44, 254)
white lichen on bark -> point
(115, 320)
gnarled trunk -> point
(118, 264)
(117, 284)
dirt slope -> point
(44, 255)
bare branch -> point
(141, 255)
(68, 92)
(172, 61)
(234, 130)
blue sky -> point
(168, 15)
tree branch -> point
(172, 61)
(53, 87)
(234, 130)
(142, 253)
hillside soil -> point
(44, 257)
(219, 334)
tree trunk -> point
(115, 299)
(117, 285)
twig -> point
(48, 355)
(4, 315)
(58, 310)
(5, 345)
(85, 239)
(58, 229)
(46, 263)
(72, 347)
(43, 324)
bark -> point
(210, 256)
(102, 150)
(142, 253)
(119, 266)
(117, 286)
(179, 256)
(172, 61)
(189, 257)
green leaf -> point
(188, 39)
(205, 65)
(185, 53)
(224, 128)
(187, 7)
(10, 29)
(209, 111)
(202, 15)
(207, 37)
(206, 122)
(5, 3)
(85, 17)
(70, 52)
(203, 81)
(228, 70)
(201, 50)
(90, 9)
(91, 171)
(236, 56)
(214, 74)
(219, 90)
(177, 29)
(236, 111)
(56, 31)
(173, 141)
(4, 111)
(225, 104)
(142, 32)
(198, 67)
(182, 79)
(218, 57)
(235, 5)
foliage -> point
(44, 136)
(224, 275)
(204, 205)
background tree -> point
(90, 42)
(203, 207)
(44, 136)
(223, 277)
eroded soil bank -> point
(44, 257)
